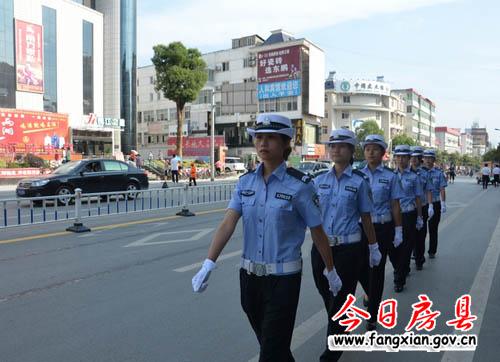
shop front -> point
(97, 136)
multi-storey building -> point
(466, 144)
(448, 139)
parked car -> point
(234, 164)
(92, 176)
(312, 167)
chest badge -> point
(282, 196)
(247, 193)
(351, 189)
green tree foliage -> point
(403, 139)
(368, 127)
(492, 155)
(180, 75)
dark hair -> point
(288, 149)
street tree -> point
(368, 127)
(492, 155)
(403, 139)
(180, 75)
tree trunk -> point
(180, 124)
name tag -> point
(247, 193)
(282, 196)
(383, 181)
(351, 188)
(324, 186)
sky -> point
(447, 50)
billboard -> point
(194, 146)
(34, 128)
(278, 65)
(29, 57)
(288, 88)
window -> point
(187, 112)
(7, 65)
(377, 116)
(151, 80)
(345, 115)
(225, 66)
(139, 117)
(347, 99)
(210, 73)
(151, 97)
(324, 129)
(112, 166)
(408, 109)
(49, 59)
(162, 114)
(172, 114)
(88, 67)
(158, 95)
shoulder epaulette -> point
(247, 173)
(299, 175)
(388, 168)
(362, 174)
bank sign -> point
(279, 73)
(94, 122)
(362, 86)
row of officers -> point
(357, 219)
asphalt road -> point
(123, 292)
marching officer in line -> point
(496, 175)
(386, 218)
(344, 198)
(437, 204)
(411, 209)
(277, 204)
(417, 166)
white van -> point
(234, 164)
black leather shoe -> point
(432, 256)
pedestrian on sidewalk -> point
(277, 204)
(438, 198)
(174, 165)
(345, 198)
(192, 176)
(496, 175)
(485, 171)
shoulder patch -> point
(247, 173)
(361, 174)
(299, 175)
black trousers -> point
(486, 181)
(270, 303)
(348, 261)
(192, 179)
(175, 176)
(433, 228)
(420, 239)
(372, 279)
(404, 250)
(496, 180)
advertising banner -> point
(34, 128)
(288, 88)
(278, 65)
(29, 57)
(194, 146)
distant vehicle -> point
(313, 167)
(92, 176)
(234, 164)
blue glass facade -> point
(49, 20)
(88, 67)
(128, 63)
(7, 65)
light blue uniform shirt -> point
(436, 181)
(412, 188)
(343, 200)
(276, 214)
(423, 172)
(385, 186)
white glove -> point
(398, 236)
(375, 255)
(333, 281)
(200, 280)
(443, 207)
(430, 211)
(420, 222)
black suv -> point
(91, 176)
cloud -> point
(208, 24)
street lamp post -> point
(212, 139)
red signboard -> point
(194, 146)
(29, 57)
(33, 128)
(278, 64)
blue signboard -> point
(287, 88)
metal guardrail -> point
(78, 206)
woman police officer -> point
(386, 218)
(277, 204)
(344, 197)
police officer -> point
(386, 219)
(344, 197)
(277, 204)
(438, 205)
(417, 166)
(496, 175)
(411, 210)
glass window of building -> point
(49, 20)
(347, 99)
(7, 69)
(225, 66)
(345, 115)
(88, 67)
(151, 97)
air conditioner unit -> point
(218, 87)
(218, 68)
(252, 79)
(252, 58)
(251, 63)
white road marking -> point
(480, 292)
(197, 265)
(149, 240)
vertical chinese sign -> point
(279, 73)
(29, 57)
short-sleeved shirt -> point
(423, 173)
(485, 171)
(496, 171)
(175, 163)
(343, 200)
(412, 188)
(385, 186)
(437, 182)
(275, 214)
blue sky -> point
(449, 51)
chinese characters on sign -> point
(194, 146)
(363, 86)
(287, 88)
(29, 57)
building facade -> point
(466, 147)
(420, 119)
(349, 103)
(448, 139)
(480, 139)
